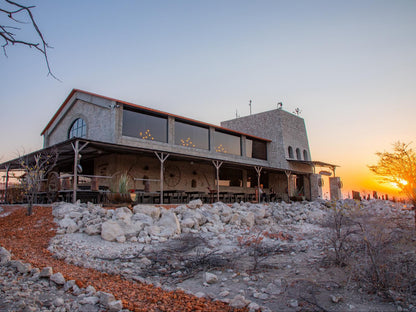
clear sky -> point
(350, 66)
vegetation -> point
(399, 168)
(36, 170)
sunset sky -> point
(350, 66)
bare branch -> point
(10, 38)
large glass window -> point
(145, 126)
(78, 129)
(191, 136)
(256, 149)
(227, 143)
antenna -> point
(249, 104)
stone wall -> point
(99, 117)
(283, 129)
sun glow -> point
(398, 184)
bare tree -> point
(18, 16)
(399, 167)
(36, 171)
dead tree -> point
(19, 16)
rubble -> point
(148, 244)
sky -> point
(350, 66)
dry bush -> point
(343, 227)
(385, 261)
(261, 245)
(185, 256)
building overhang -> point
(94, 149)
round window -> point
(78, 129)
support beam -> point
(288, 174)
(258, 170)
(217, 165)
(77, 157)
(7, 183)
(162, 157)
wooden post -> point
(258, 170)
(7, 184)
(288, 174)
(217, 165)
(77, 157)
(162, 157)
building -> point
(102, 141)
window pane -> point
(78, 129)
(144, 126)
(227, 143)
(191, 136)
(256, 149)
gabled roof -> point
(71, 94)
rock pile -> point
(144, 244)
(24, 288)
(151, 223)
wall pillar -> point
(316, 186)
(335, 188)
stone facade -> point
(279, 129)
(283, 129)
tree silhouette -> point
(399, 168)
(19, 16)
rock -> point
(67, 222)
(46, 272)
(187, 223)
(75, 215)
(58, 302)
(93, 229)
(121, 239)
(58, 278)
(90, 290)
(194, 204)
(253, 307)
(143, 218)
(5, 256)
(153, 230)
(273, 289)
(123, 214)
(60, 210)
(23, 267)
(224, 293)
(293, 303)
(336, 298)
(239, 302)
(105, 298)
(210, 278)
(200, 294)
(248, 219)
(169, 224)
(152, 211)
(110, 230)
(115, 305)
(90, 300)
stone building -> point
(102, 141)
